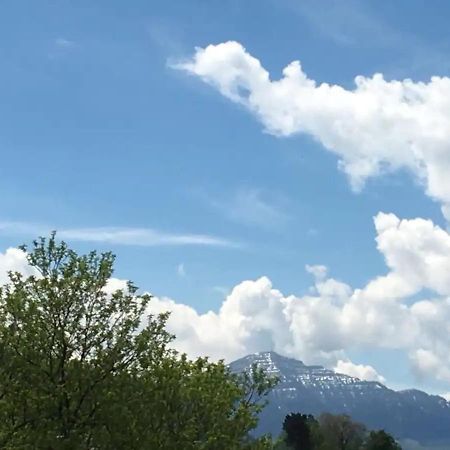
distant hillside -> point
(409, 414)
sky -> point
(274, 172)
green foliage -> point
(380, 440)
(298, 430)
(280, 443)
(340, 432)
(81, 368)
(331, 432)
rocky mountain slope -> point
(409, 414)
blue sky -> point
(102, 135)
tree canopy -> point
(380, 440)
(85, 368)
(299, 430)
(331, 432)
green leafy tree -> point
(380, 440)
(280, 443)
(339, 432)
(81, 368)
(298, 431)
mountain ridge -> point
(407, 414)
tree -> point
(81, 368)
(298, 433)
(380, 440)
(280, 443)
(339, 432)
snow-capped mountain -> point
(409, 414)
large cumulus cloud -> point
(406, 309)
(378, 126)
(334, 318)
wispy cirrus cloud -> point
(181, 271)
(251, 207)
(354, 23)
(144, 237)
(346, 22)
(64, 43)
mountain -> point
(411, 414)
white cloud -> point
(446, 395)
(145, 237)
(417, 253)
(335, 318)
(115, 284)
(140, 236)
(350, 23)
(251, 318)
(252, 207)
(64, 43)
(318, 271)
(14, 260)
(426, 362)
(181, 271)
(360, 371)
(377, 127)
